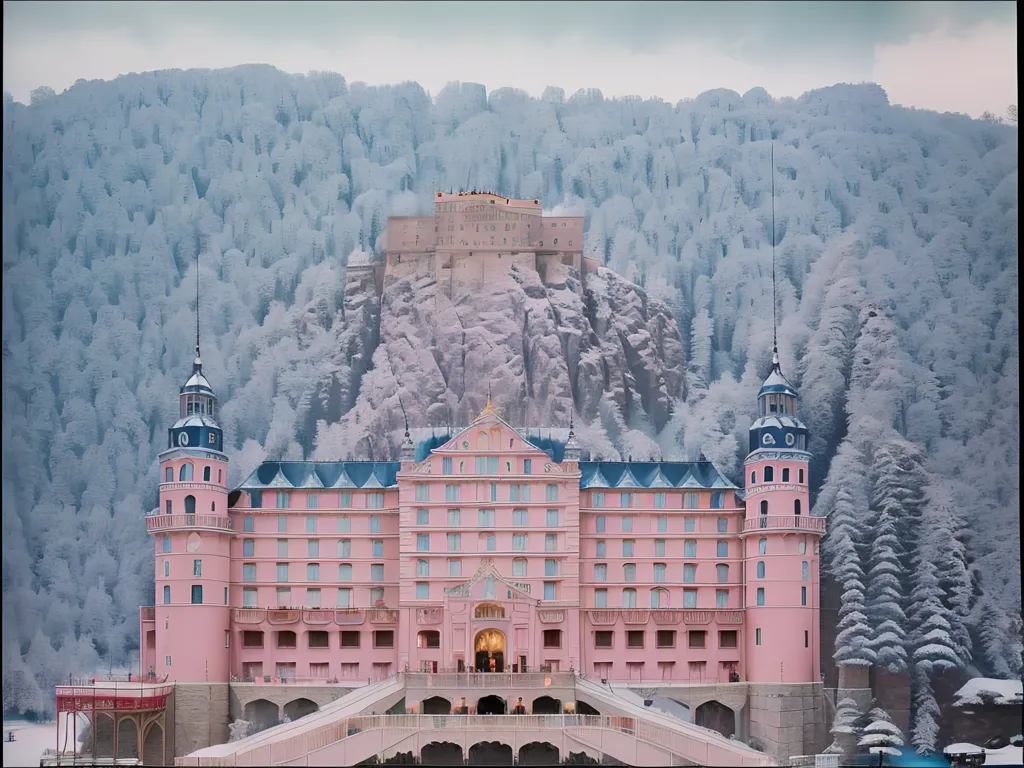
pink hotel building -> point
(487, 548)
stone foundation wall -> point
(788, 718)
(200, 716)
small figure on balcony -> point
(519, 708)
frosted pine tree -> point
(942, 542)
(933, 646)
(925, 722)
(886, 573)
(844, 501)
(881, 735)
(845, 730)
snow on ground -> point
(1008, 755)
(1006, 691)
(32, 739)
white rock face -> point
(538, 346)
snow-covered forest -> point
(896, 240)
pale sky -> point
(945, 56)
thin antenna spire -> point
(775, 339)
(198, 359)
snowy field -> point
(32, 739)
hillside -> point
(897, 262)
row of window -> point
(314, 524)
(186, 472)
(426, 591)
(664, 638)
(195, 593)
(660, 572)
(660, 598)
(516, 492)
(599, 499)
(769, 475)
(318, 638)
(286, 670)
(283, 500)
(764, 507)
(485, 518)
(313, 598)
(485, 465)
(190, 506)
(626, 523)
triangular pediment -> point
(279, 481)
(343, 481)
(312, 480)
(480, 583)
(490, 433)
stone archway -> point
(127, 738)
(301, 707)
(262, 714)
(489, 649)
(539, 753)
(716, 716)
(582, 708)
(546, 705)
(492, 705)
(436, 705)
(491, 753)
(441, 753)
(153, 746)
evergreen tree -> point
(943, 534)
(881, 735)
(844, 501)
(925, 719)
(886, 574)
(934, 648)
(845, 730)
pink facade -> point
(489, 547)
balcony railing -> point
(168, 522)
(186, 485)
(495, 680)
(147, 613)
(785, 522)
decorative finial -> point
(775, 326)
(198, 362)
(488, 408)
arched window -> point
(762, 546)
(629, 598)
(169, 475)
(785, 474)
(764, 507)
(659, 598)
(422, 568)
(629, 572)
(213, 506)
(796, 506)
(190, 505)
(206, 474)
(769, 474)
(753, 478)
(185, 473)
(723, 573)
(760, 569)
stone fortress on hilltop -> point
(488, 570)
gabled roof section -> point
(323, 474)
(655, 474)
(465, 589)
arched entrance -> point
(489, 650)
(491, 705)
(490, 753)
(441, 753)
(716, 716)
(539, 753)
(546, 705)
(297, 708)
(436, 705)
(262, 714)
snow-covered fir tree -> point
(934, 649)
(925, 716)
(881, 735)
(845, 727)
(844, 501)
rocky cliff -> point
(537, 346)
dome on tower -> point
(197, 382)
(776, 383)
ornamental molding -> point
(550, 617)
(763, 455)
(757, 490)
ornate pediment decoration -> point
(516, 589)
(697, 617)
(550, 617)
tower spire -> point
(775, 327)
(198, 361)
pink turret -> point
(193, 542)
(780, 543)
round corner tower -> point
(780, 543)
(193, 542)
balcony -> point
(664, 616)
(190, 485)
(785, 523)
(156, 523)
(147, 613)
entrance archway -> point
(441, 753)
(539, 753)
(436, 705)
(297, 708)
(716, 716)
(491, 705)
(490, 753)
(489, 650)
(546, 705)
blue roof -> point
(323, 474)
(652, 474)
